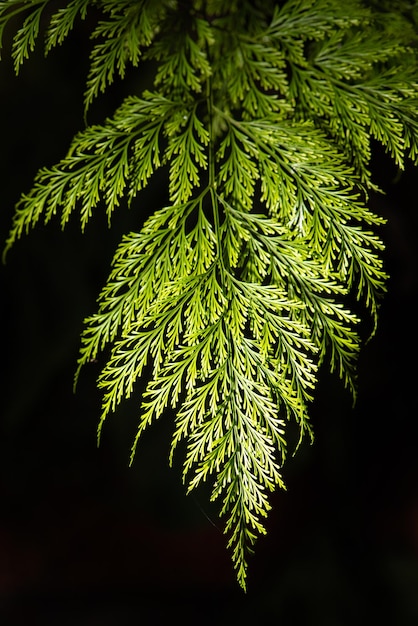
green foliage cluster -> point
(263, 115)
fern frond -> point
(187, 155)
(25, 38)
(104, 163)
(126, 31)
(62, 22)
(339, 87)
(183, 66)
(260, 122)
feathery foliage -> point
(263, 114)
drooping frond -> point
(260, 124)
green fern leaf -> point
(25, 38)
(62, 22)
(127, 30)
(261, 119)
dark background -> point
(84, 540)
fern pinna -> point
(263, 115)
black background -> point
(84, 540)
